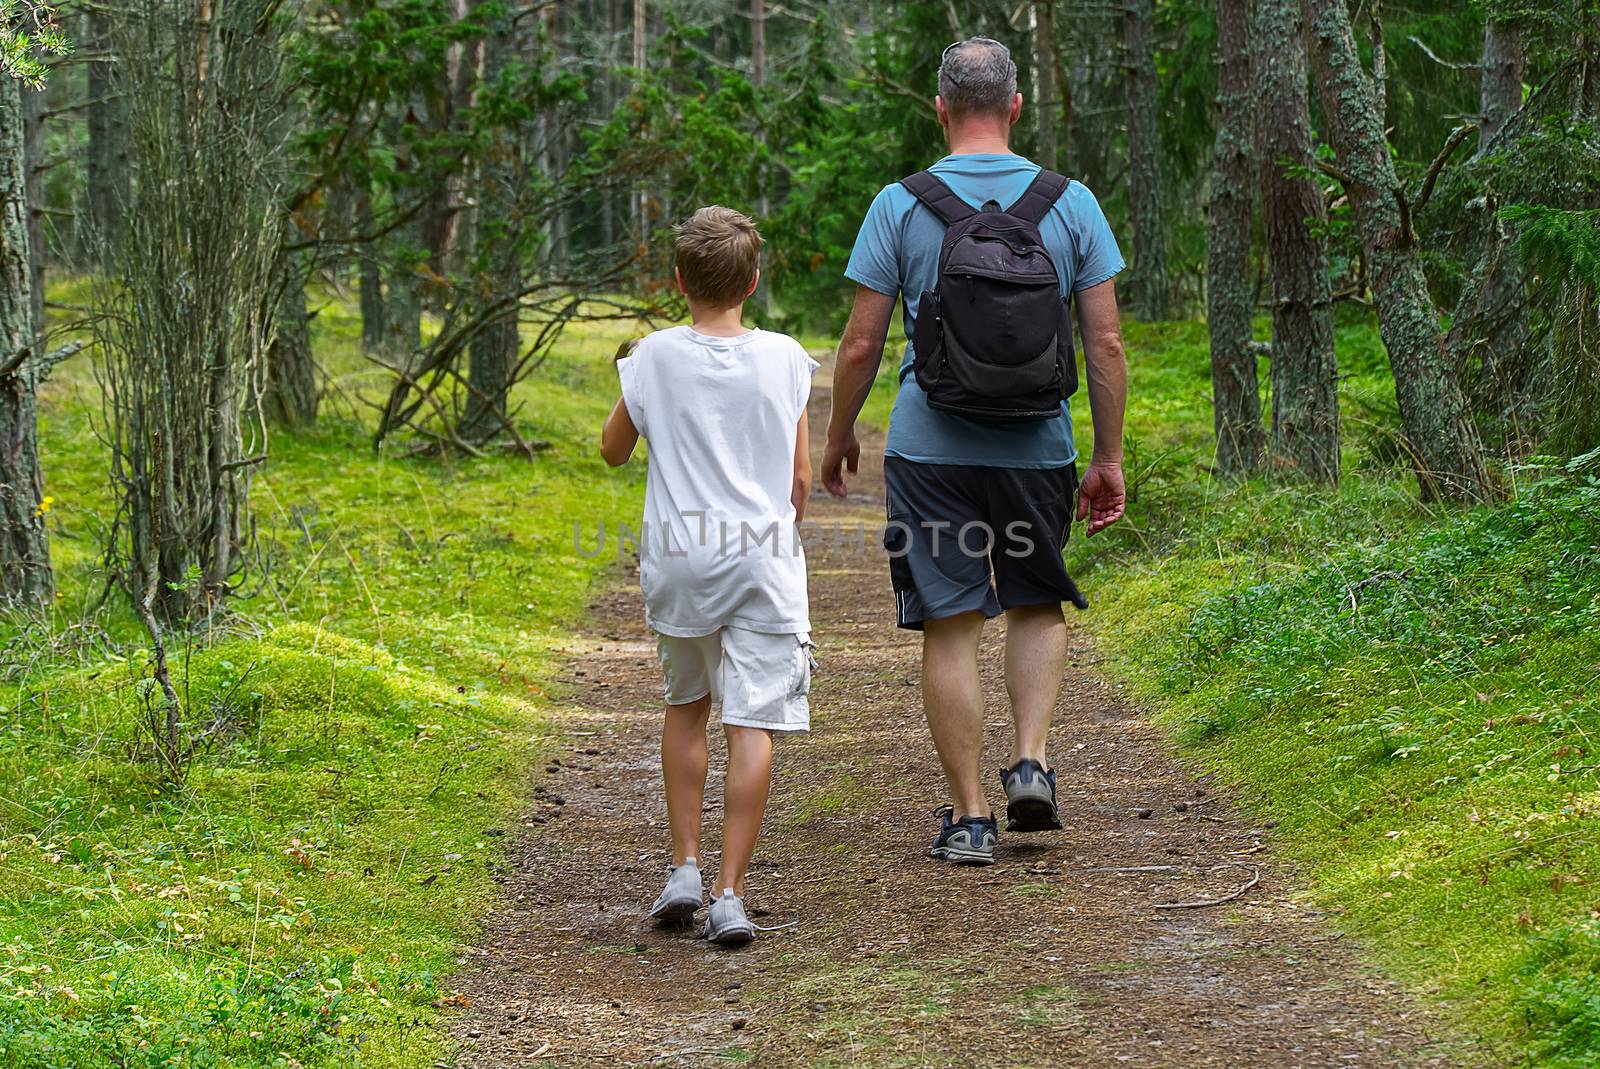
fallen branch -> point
(1255, 878)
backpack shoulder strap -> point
(1045, 189)
(937, 197)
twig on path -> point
(1255, 878)
(1141, 868)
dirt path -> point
(895, 959)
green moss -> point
(301, 898)
(1409, 692)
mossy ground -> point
(300, 898)
(1409, 691)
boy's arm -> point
(802, 470)
(619, 436)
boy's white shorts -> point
(762, 680)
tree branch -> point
(1458, 135)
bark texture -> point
(33, 102)
(106, 162)
(293, 390)
(1235, 391)
(1152, 288)
(1443, 441)
(1046, 113)
(1305, 396)
(1490, 333)
(493, 352)
(24, 548)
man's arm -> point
(619, 436)
(1101, 494)
(801, 490)
(855, 367)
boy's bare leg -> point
(744, 802)
(953, 702)
(683, 766)
(1036, 654)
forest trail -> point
(894, 959)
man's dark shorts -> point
(953, 527)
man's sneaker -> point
(681, 897)
(726, 922)
(968, 841)
(1030, 797)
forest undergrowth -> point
(1409, 692)
(379, 699)
(1412, 693)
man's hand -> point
(1101, 496)
(837, 455)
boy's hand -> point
(837, 455)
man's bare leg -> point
(1036, 654)
(953, 701)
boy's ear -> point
(754, 282)
(677, 278)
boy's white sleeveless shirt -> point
(718, 543)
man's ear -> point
(1016, 108)
(754, 282)
(941, 112)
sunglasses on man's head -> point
(957, 44)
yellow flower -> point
(44, 505)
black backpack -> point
(993, 339)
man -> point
(945, 473)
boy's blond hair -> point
(717, 251)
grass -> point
(1410, 692)
(300, 900)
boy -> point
(724, 410)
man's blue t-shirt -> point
(897, 252)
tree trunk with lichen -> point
(1305, 395)
(1152, 288)
(1236, 396)
(1443, 442)
(24, 547)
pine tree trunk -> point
(1433, 411)
(641, 52)
(493, 352)
(1152, 289)
(33, 101)
(374, 326)
(1045, 112)
(106, 163)
(1305, 394)
(1500, 91)
(1490, 333)
(292, 389)
(24, 548)
(1236, 395)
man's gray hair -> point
(978, 75)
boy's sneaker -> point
(968, 841)
(726, 922)
(1030, 797)
(681, 897)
